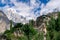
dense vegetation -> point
(27, 32)
(23, 32)
(53, 29)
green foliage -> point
(22, 38)
(31, 23)
(54, 29)
(51, 25)
(58, 23)
(56, 35)
(28, 30)
(18, 25)
(47, 36)
(10, 24)
(39, 36)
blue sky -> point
(30, 8)
(8, 2)
(4, 3)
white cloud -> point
(23, 8)
(2, 1)
(51, 6)
(27, 11)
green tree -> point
(54, 29)
(31, 23)
(28, 30)
(58, 23)
(11, 24)
(39, 36)
(51, 25)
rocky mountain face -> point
(15, 17)
(41, 22)
(45, 18)
(4, 22)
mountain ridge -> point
(4, 22)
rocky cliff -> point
(4, 22)
(41, 22)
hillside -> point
(41, 29)
(47, 24)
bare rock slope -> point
(4, 22)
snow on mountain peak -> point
(17, 18)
